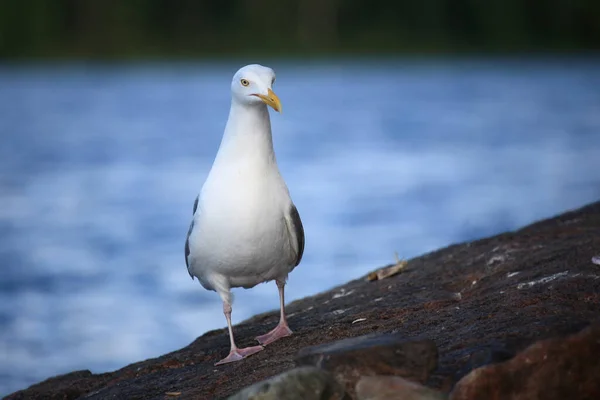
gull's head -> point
(253, 84)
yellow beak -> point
(271, 99)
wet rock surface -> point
(505, 292)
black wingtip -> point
(299, 232)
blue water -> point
(99, 167)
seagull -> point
(245, 228)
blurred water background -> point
(383, 151)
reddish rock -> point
(394, 388)
(553, 369)
(350, 359)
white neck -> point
(247, 133)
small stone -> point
(304, 383)
(394, 388)
(483, 356)
(563, 368)
(387, 354)
(596, 260)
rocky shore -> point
(514, 316)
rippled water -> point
(99, 167)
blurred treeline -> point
(165, 28)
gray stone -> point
(388, 354)
(394, 388)
(304, 383)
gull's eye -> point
(244, 82)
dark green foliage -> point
(156, 28)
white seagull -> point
(245, 228)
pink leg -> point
(282, 329)
(235, 354)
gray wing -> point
(296, 233)
(187, 239)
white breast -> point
(239, 230)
